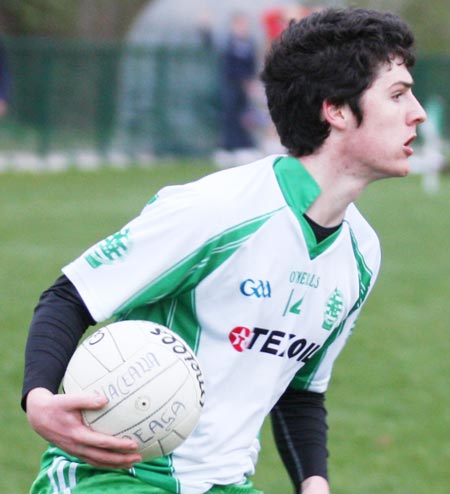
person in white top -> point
(262, 268)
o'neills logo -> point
(273, 342)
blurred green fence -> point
(138, 100)
(128, 100)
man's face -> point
(391, 114)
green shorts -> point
(61, 475)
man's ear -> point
(336, 115)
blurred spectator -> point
(237, 75)
(276, 19)
(4, 81)
(205, 29)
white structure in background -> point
(178, 23)
(430, 158)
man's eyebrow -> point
(405, 84)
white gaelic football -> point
(151, 378)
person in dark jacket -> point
(238, 65)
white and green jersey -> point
(230, 263)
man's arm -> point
(59, 321)
(300, 431)
(315, 485)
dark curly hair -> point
(333, 55)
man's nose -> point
(418, 115)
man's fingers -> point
(84, 401)
(57, 418)
(102, 450)
(106, 442)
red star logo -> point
(239, 337)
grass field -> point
(389, 401)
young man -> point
(263, 269)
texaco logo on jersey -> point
(273, 342)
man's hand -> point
(57, 418)
(315, 485)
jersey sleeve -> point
(151, 257)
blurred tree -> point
(38, 17)
(90, 19)
(429, 20)
(106, 19)
(110, 19)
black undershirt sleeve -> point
(58, 323)
(300, 432)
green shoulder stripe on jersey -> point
(305, 375)
(177, 313)
(188, 272)
(184, 319)
(300, 190)
(364, 273)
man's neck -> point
(338, 186)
